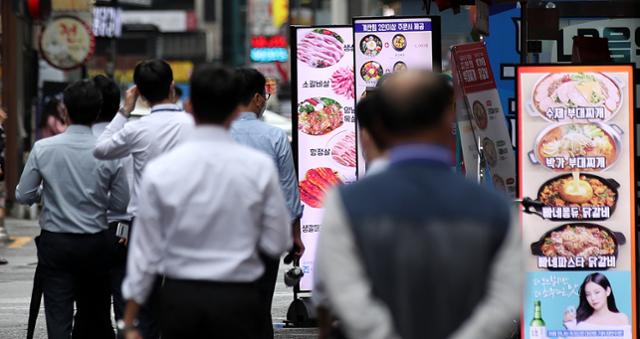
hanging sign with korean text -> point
(481, 121)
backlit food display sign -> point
(269, 49)
(107, 22)
(324, 124)
(576, 158)
(391, 44)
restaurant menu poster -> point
(481, 120)
(384, 45)
(576, 162)
(324, 124)
(390, 44)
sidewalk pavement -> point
(16, 282)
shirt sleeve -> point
(29, 188)
(115, 141)
(146, 246)
(288, 179)
(119, 190)
(275, 237)
(495, 314)
(340, 272)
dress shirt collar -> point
(412, 152)
(247, 116)
(210, 132)
(162, 108)
(78, 129)
(100, 125)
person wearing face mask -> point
(249, 130)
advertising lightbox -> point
(576, 162)
(390, 44)
(324, 134)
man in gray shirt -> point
(73, 247)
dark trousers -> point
(200, 309)
(150, 311)
(267, 286)
(75, 268)
(117, 272)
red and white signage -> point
(481, 121)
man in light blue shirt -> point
(77, 190)
(250, 131)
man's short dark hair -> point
(419, 108)
(153, 79)
(83, 101)
(110, 97)
(214, 93)
(251, 82)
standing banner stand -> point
(576, 168)
(324, 135)
(482, 127)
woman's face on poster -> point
(596, 295)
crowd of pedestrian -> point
(179, 219)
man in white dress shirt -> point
(145, 139)
(208, 209)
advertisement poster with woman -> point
(576, 162)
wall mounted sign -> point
(107, 22)
(67, 42)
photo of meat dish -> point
(344, 150)
(371, 71)
(370, 45)
(577, 240)
(319, 116)
(399, 42)
(316, 183)
(574, 140)
(480, 115)
(590, 89)
(321, 48)
(342, 82)
(587, 190)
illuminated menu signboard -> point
(576, 139)
(324, 124)
(391, 44)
